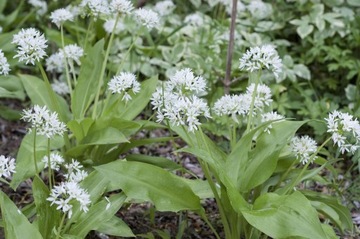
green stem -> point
(251, 111)
(66, 61)
(60, 226)
(49, 165)
(25, 18)
(34, 149)
(87, 32)
(126, 55)
(103, 68)
(204, 217)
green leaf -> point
(11, 87)
(97, 214)
(302, 71)
(47, 217)
(16, 225)
(304, 30)
(25, 157)
(108, 135)
(286, 216)
(39, 95)
(85, 90)
(156, 161)
(115, 227)
(354, 3)
(150, 183)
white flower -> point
(123, 83)
(195, 19)
(66, 193)
(303, 147)
(7, 166)
(270, 116)
(164, 8)
(184, 82)
(96, 7)
(4, 65)
(31, 45)
(59, 16)
(60, 87)
(228, 6)
(258, 58)
(121, 6)
(345, 131)
(55, 63)
(55, 161)
(259, 9)
(45, 122)
(148, 18)
(40, 5)
(232, 105)
(109, 26)
(75, 172)
(262, 96)
(1, 29)
(73, 53)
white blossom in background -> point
(270, 116)
(7, 166)
(164, 8)
(147, 18)
(345, 131)
(60, 87)
(75, 10)
(122, 6)
(73, 53)
(1, 29)
(303, 147)
(64, 194)
(31, 45)
(259, 9)
(177, 101)
(4, 65)
(59, 16)
(261, 57)
(232, 105)
(97, 7)
(123, 83)
(55, 63)
(109, 26)
(45, 122)
(75, 173)
(56, 160)
(262, 96)
(40, 5)
(228, 6)
(195, 19)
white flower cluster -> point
(164, 8)
(303, 147)
(239, 105)
(258, 58)
(75, 172)
(45, 122)
(122, 6)
(177, 100)
(56, 62)
(96, 7)
(60, 87)
(345, 131)
(109, 26)
(40, 5)
(195, 19)
(4, 65)
(259, 9)
(59, 16)
(270, 116)
(31, 45)
(147, 17)
(66, 193)
(55, 161)
(123, 83)
(7, 166)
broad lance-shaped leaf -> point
(16, 225)
(150, 183)
(48, 217)
(85, 90)
(286, 216)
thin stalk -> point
(49, 165)
(87, 32)
(66, 61)
(204, 217)
(251, 111)
(34, 149)
(230, 50)
(72, 69)
(103, 68)
(60, 226)
(126, 55)
(295, 182)
(25, 18)
(283, 176)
